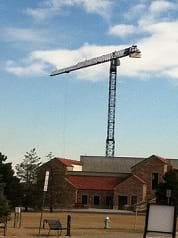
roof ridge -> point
(68, 162)
(164, 160)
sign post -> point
(168, 195)
(45, 189)
(17, 217)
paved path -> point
(109, 235)
(113, 235)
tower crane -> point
(113, 58)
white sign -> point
(168, 193)
(161, 218)
(45, 189)
(17, 209)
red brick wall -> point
(91, 194)
(145, 169)
(60, 193)
(130, 187)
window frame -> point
(94, 200)
(154, 182)
(83, 200)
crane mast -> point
(110, 141)
(113, 58)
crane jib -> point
(98, 60)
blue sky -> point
(67, 114)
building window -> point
(96, 200)
(109, 201)
(154, 181)
(84, 199)
(123, 201)
(133, 200)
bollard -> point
(107, 222)
(68, 225)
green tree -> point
(171, 183)
(27, 169)
(49, 156)
(12, 188)
(4, 207)
(27, 173)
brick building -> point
(101, 182)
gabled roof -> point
(163, 160)
(174, 163)
(93, 182)
(131, 177)
(68, 162)
(139, 179)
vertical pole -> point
(68, 225)
(44, 195)
(175, 221)
(15, 219)
(136, 214)
(20, 222)
(41, 216)
(110, 141)
(146, 220)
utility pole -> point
(113, 58)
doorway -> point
(122, 201)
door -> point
(122, 201)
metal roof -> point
(107, 164)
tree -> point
(171, 183)
(4, 207)
(27, 173)
(11, 184)
(49, 156)
(27, 170)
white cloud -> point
(132, 13)
(159, 6)
(158, 42)
(159, 56)
(159, 50)
(50, 8)
(37, 62)
(147, 12)
(12, 34)
(27, 70)
(173, 72)
(101, 7)
(63, 58)
(122, 30)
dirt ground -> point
(82, 225)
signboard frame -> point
(160, 219)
